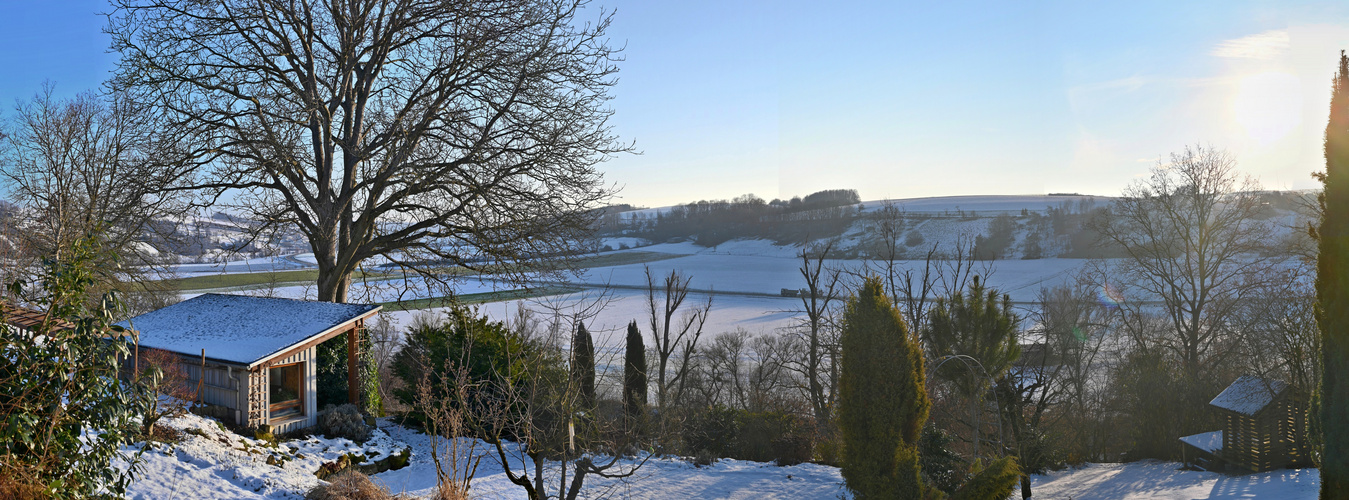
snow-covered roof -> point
(1207, 441)
(241, 329)
(1248, 395)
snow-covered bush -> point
(345, 422)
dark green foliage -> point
(995, 481)
(769, 436)
(52, 391)
(583, 368)
(820, 215)
(943, 469)
(1000, 237)
(487, 350)
(1332, 293)
(330, 364)
(331, 367)
(979, 324)
(713, 430)
(1149, 396)
(882, 400)
(634, 377)
(371, 400)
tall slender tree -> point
(882, 402)
(583, 368)
(634, 376)
(1332, 293)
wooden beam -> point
(353, 354)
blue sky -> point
(900, 99)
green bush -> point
(490, 358)
(57, 383)
(713, 431)
(778, 437)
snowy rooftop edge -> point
(238, 328)
(1248, 394)
(1211, 441)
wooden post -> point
(353, 374)
(201, 375)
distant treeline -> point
(818, 215)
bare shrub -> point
(349, 485)
(161, 373)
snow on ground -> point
(210, 463)
(769, 274)
(758, 315)
(662, 478)
(1165, 481)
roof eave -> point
(313, 339)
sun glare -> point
(1268, 105)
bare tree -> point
(913, 290)
(429, 133)
(89, 166)
(818, 365)
(675, 337)
(1193, 242)
(542, 413)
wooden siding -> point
(1272, 438)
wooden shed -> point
(1264, 426)
(254, 357)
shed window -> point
(286, 390)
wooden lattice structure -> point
(1264, 425)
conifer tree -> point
(583, 368)
(882, 402)
(1332, 293)
(979, 324)
(634, 375)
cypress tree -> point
(882, 401)
(583, 367)
(1332, 293)
(634, 375)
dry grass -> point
(349, 485)
(17, 484)
(448, 491)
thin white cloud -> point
(1265, 45)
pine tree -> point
(634, 376)
(1332, 293)
(882, 401)
(979, 324)
(583, 368)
